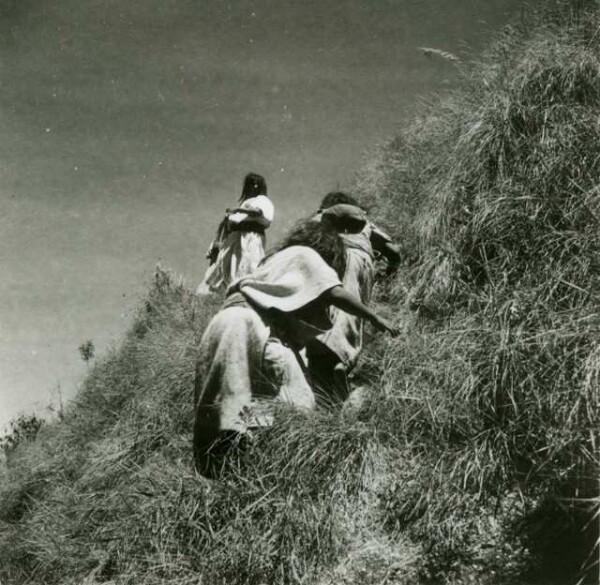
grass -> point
(110, 492)
(498, 375)
(474, 456)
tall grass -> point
(110, 492)
(495, 388)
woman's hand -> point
(339, 297)
(385, 325)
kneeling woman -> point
(248, 358)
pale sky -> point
(126, 129)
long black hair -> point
(254, 185)
(322, 238)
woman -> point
(248, 357)
(240, 242)
(332, 355)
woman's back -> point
(241, 240)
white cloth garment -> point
(242, 249)
(246, 363)
(288, 280)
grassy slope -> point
(497, 189)
(473, 456)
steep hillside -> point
(474, 456)
(494, 193)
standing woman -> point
(240, 242)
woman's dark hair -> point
(336, 197)
(253, 185)
(322, 238)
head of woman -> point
(254, 185)
(337, 197)
(343, 213)
(323, 239)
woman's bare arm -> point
(250, 211)
(339, 297)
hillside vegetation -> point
(474, 455)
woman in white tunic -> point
(248, 357)
(240, 242)
(332, 355)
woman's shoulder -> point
(300, 266)
(306, 257)
(299, 250)
(257, 200)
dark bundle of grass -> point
(497, 389)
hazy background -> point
(126, 129)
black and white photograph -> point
(299, 292)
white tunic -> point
(244, 365)
(241, 250)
